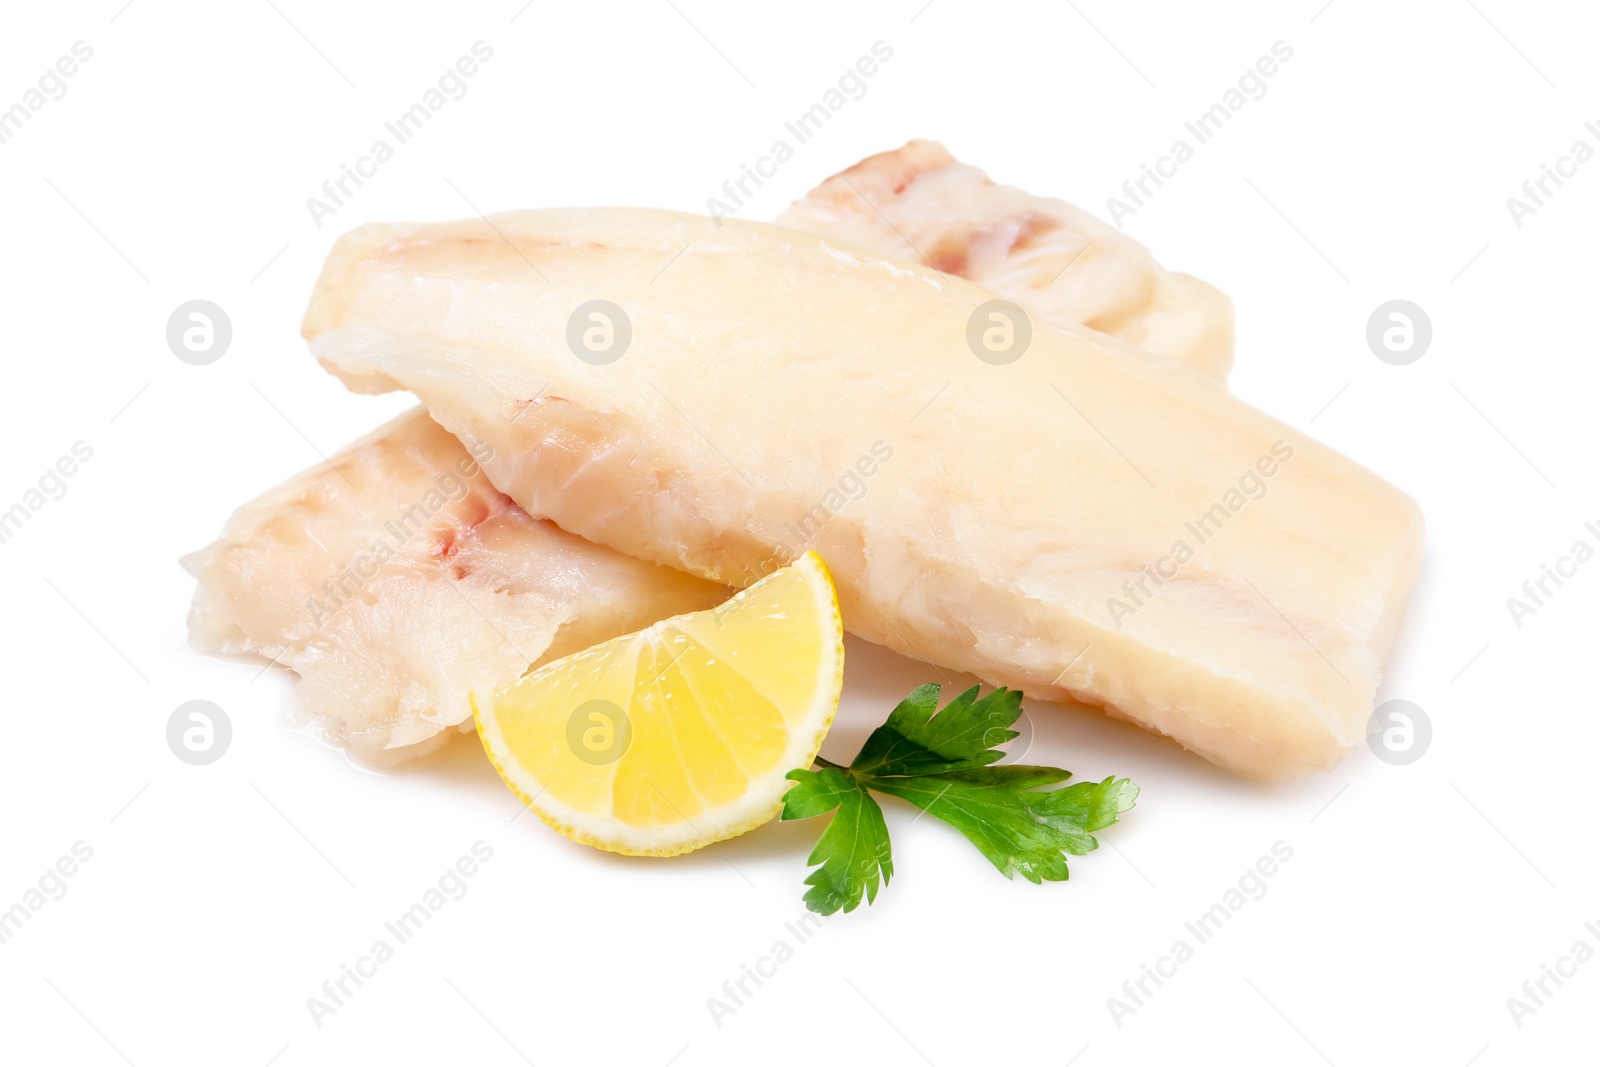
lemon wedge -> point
(665, 740)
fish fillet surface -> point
(389, 689)
(1057, 261)
(399, 580)
(781, 392)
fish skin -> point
(396, 581)
(1017, 501)
(918, 202)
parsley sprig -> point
(941, 761)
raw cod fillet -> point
(1084, 522)
(1057, 261)
(402, 580)
(392, 689)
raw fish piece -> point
(380, 684)
(402, 580)
(1080, 522)
(1059, 262)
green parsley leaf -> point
(916, 741)
(941, 761)
(1022, 830)
(852, 850)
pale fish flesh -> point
(1057, 261)
(1080, 522)
(376, 684)
(396, 580)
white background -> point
(1418, 899)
